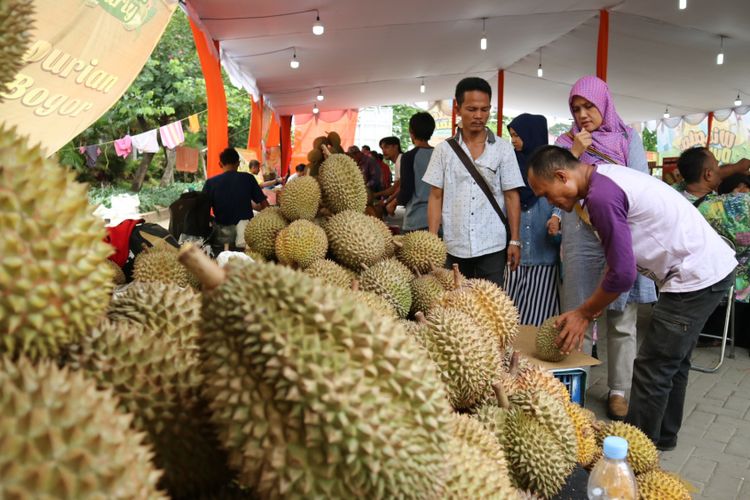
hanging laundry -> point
(91, 153)
(186, 159)
(193, 124)
(172, 135)
(146, 142)
(123, 146)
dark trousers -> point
(489, 267)
(660, 372)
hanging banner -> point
(441, 111)
(673, 136)
(729, 139)
(83, 55)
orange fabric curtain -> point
(710, 126)
(602, 47)
(286, 143)
(307, 127)
(500, 99)
(217, 131)
(256, 128)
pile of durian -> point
(342, 363)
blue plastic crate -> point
(574, 380)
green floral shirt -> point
(729, 215)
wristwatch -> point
(515, 243)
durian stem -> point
(207, 271)
(419, 316)
(355, 285)
(502, 399)
(456, 277)
(514, 362)
(226, 247)
(364, 266)
(326, 151)
(398, 244)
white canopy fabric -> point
(377, 53)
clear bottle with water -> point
(612, 478)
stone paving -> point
(713, 450)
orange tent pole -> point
(500, 99)
(710, 126)
(217, 131)
(602, 47)
(286, 143)
(254, 138)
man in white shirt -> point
(472, 230)
(644, 226)
(299, 172)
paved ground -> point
(713, 451)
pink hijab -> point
(611, 138)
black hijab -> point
(532, 129)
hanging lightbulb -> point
(294, 63)
(720, 55)
(316, 110)
(483, 41)
(666, 112)
(539, 70)
(318, 28)
(422, 87)
(683, 4)
(320, 95)
(738, 101)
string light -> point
(720, 55)
(683, 4)
(294, 63)
(738, 101)
(666, 112)
(320, 95)
(318, 28)
(422, 87)
(316, 110)
(539, 70)
(483, 41)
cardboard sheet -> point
(525, 345)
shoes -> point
(617, 407)
(708, 343)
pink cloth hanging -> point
(124, 146)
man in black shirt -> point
(231, 195)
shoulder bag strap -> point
(481, 182)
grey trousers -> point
(619, 328)
(660, 374)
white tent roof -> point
(376, 53)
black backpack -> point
(190, 214)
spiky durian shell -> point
(392, 281)
(261, 231)
(585, 434)
(300, 199)
(331, 273)
(301, 243)
(119, 276)
(160, 265)
(387, 235)
(354, 239)
(426, 293)
(660, 485)
(54, 281)
(642, 453)
(315, 396)
(16, 23)
(63, 438)
(545, 342)
(342, 184)
(158, 381)
(421, 251)
(447, 278)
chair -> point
(727, 331)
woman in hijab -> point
(599, 136)
(533, 287)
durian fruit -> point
(354, 239)
(53, 276)
(476, 464)
(313, 396)
(168, 309)
(301, 199)
(375, 302)
(388, 241)
(553, 415)
(660, 485)
(642, 453)
(466, 356)
(158, 381)
(585, 434)
(532, 376)
(421, 251)
(261, 232)
(63, 438)
(490, 306)
(301, 243)
(16, 23)
(256, 256)
(160, 265)
(119, 275)
(342, 185)
(426, 293)
(392, 281)
(331, 273)
(546, 349)
(450, 279)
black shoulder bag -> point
(482, 183)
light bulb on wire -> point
(738, 101)
(483, 41)
(720, 55)
(320, 95)
(422, 87)
(316, 110)
(294, 63)
(666, 112)
(683, 4)
(539, 70)
(318, 28)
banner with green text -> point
(83, 56)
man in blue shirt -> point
(231, 195)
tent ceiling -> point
(377, 52)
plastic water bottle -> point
(612, 477)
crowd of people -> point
(579, 228)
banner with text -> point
(83, 55)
